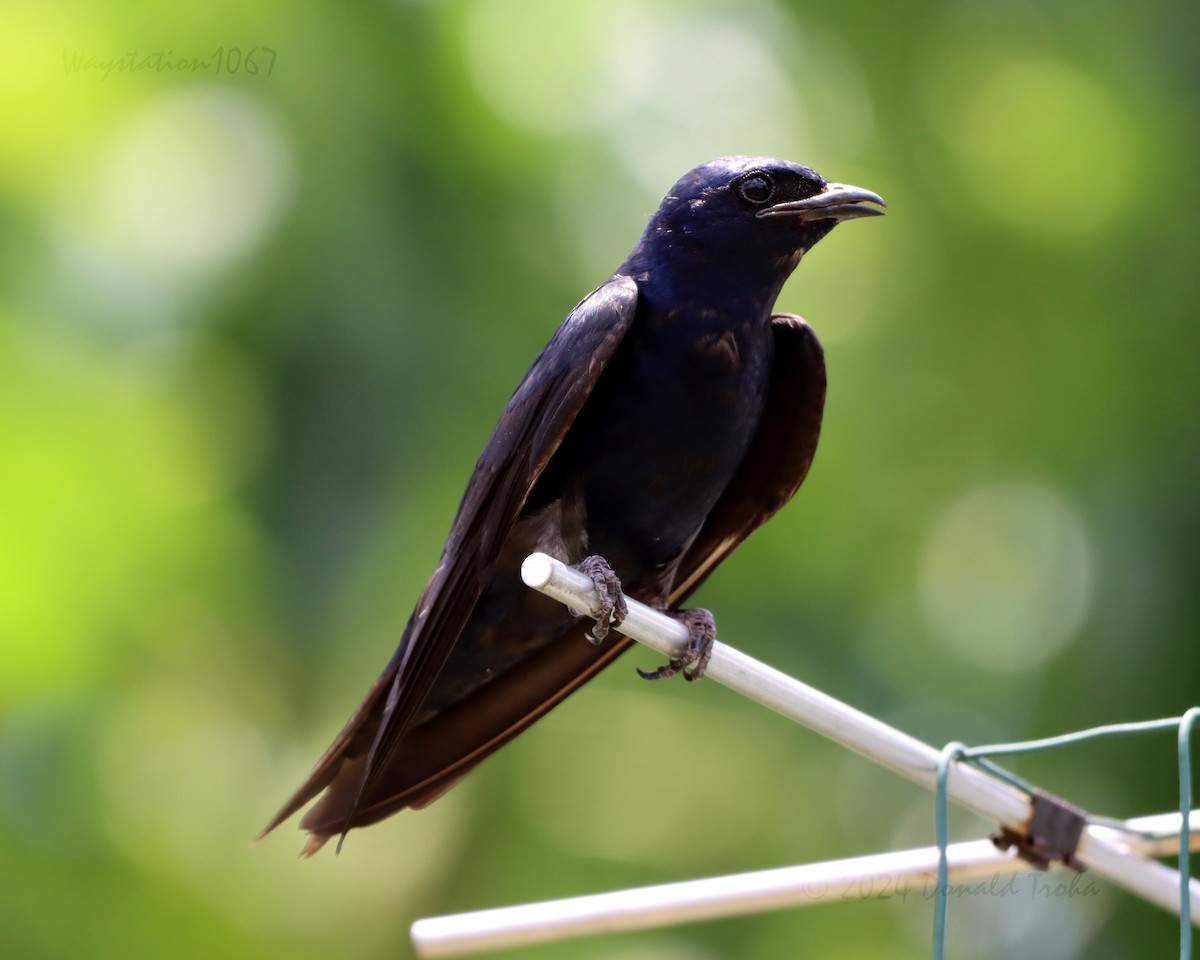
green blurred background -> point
(255, 326)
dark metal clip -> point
(1051, 835)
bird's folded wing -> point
(778, 459)
(529, 431)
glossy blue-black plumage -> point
(669, 416)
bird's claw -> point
(611, 608)
(702, 633)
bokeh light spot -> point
(545, 66)
(713, 88)
(681, 88)
(1044, 147)
(194, 179)
(1005, 578)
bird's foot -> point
(702, 633)
(611, 608)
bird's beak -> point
(838, 201)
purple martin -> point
(671, 414)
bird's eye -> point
(756, 188)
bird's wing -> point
(529, 431)
(438, 753)
(778, 459)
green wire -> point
(1185, 854)
(941, 893)
(1066, 739)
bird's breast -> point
(675, 414)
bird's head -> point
(743, 211)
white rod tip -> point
(537, 570)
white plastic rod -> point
(884, 876)
(975, 865)
(1159, 833)
(907, 756)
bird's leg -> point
(611, 609)
(702, 632)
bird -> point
(671, 414)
